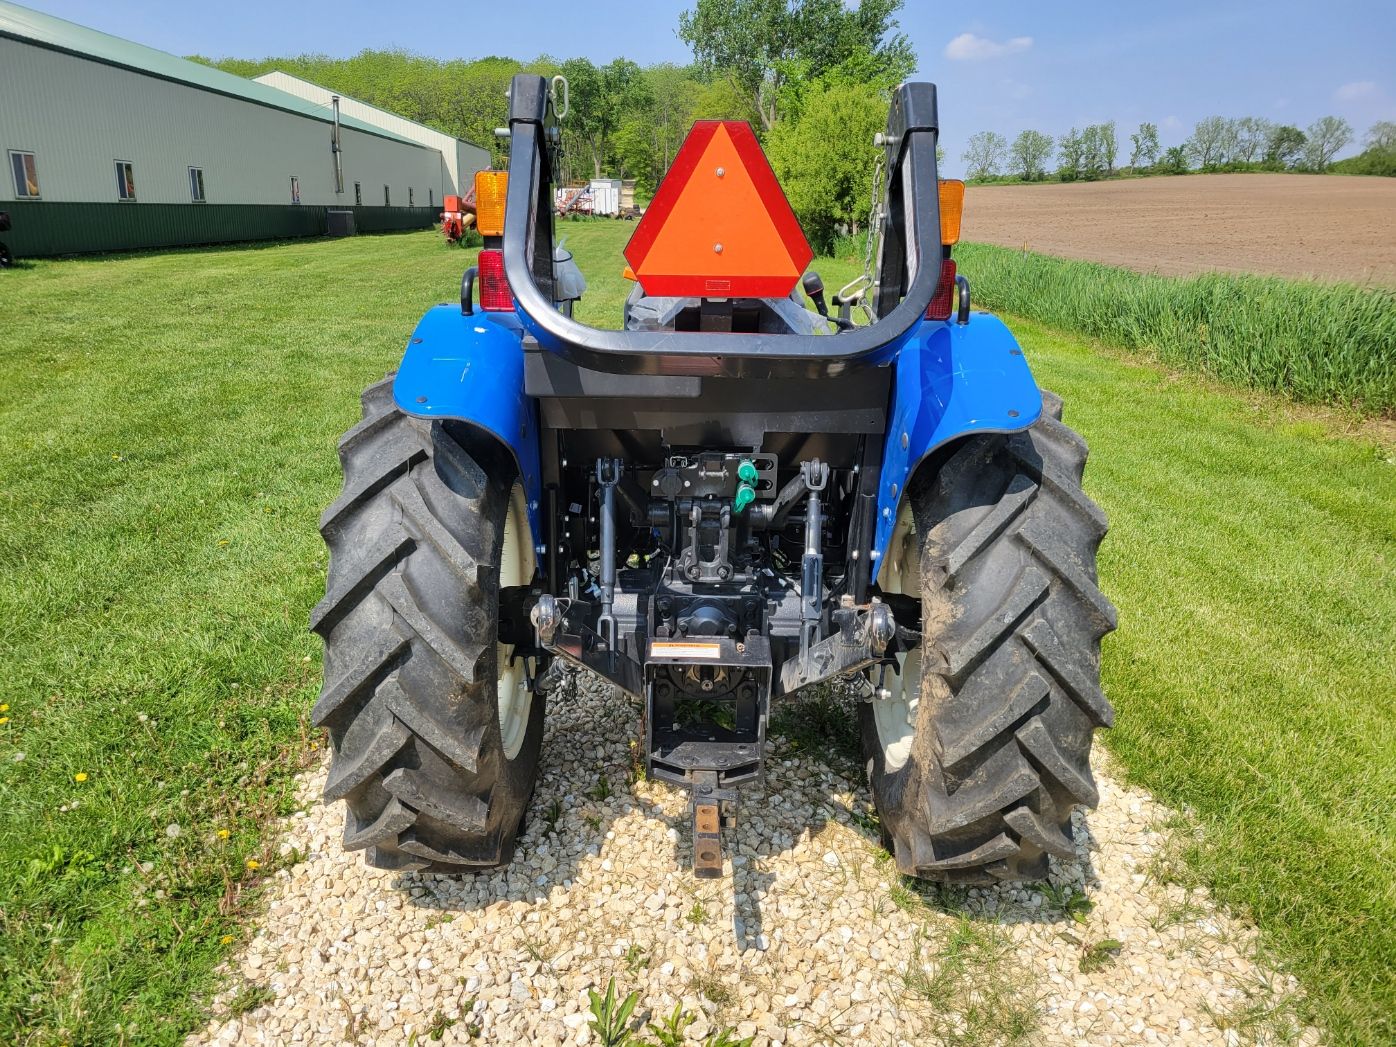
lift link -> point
(816, 476)
(608, 474)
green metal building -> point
(110, 145)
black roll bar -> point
(908, 266)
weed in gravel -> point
(435, 1030)
(711, 988)
(353, 1023)
(1262, 1016)
(636, 959)
(593, 822)
(552, 814)
(868, 821)
(727, 1038)
(1099, 956)
(537, 955)
(610, 1018)
(904, 898)
(1073, 903)
(822, 720)
(602, 790)
(698, 915)
(669, 1031)
(635, 772)
(248, 998)
(944, 898)
(973, 986)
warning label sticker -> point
(679, 649)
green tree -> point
(1109, 145)
(600, 100)
(1144, 147)
(1325, 137)
(722, 98)
(1029, 155)
(1069, 150)
(755, 42)
(1284, 146)
(984, 155)
(1251, 134)
(1098, 146)
(1174, 161)
(1382, 136)
(825, 158)
(1209, 143)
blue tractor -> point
(730, 498)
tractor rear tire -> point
(434, 729)
(983, 749)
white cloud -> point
(1355, 90)
(1170, 123)
(970, 48)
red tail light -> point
(495, 296)
(943, 304)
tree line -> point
(813, 77)
(1217, 143)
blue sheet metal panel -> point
(951, 380)
(471, 368)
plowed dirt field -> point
(1331, 227)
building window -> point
(295, 190)
(125, 181)
(26, 175)
(387, 197)
(358, 195)
(196, 185)
(409, 196)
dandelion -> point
(81, 776)
(222, 541)
(4, 720)
(18, 757)
(4, 707)
(222, 834)
(227, 939)
(172, 830)
(253, 864)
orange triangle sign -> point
(719, 226)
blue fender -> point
(471, 368)
(951, 380)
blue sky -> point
(1002, 66)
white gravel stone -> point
(808, 940)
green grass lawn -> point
(167, 433)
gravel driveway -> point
(812, 939)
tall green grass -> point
(1317, 342)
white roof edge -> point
(269, 78)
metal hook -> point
(566, 97)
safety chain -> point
(858, 286)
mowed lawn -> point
(167, 433)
